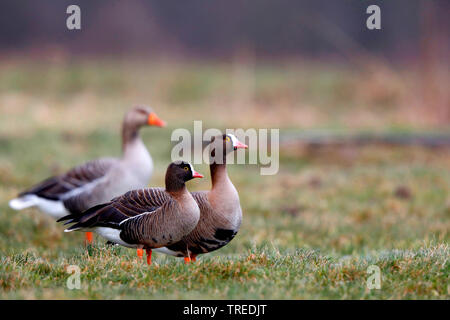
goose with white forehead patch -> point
(220, 209)
(132, 220)
(96, 181)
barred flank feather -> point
(146, 216)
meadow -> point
(309, 232)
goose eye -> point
(186, 169)
(227, 139)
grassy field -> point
(309, 232)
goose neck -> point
(219, 175)
(130, 134)
(175, 187)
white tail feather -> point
(23, 202)
(54, 208)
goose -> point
(220, 209)
(99, 180)
(132, 221)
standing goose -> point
(131, 220)
(99, 180)
(220, 209)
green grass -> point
(309, 232)
(259, 272)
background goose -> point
(133, 221)
(99, 180)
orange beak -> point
(153, 120)
(240, 145)
(195, 174)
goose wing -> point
(148, 227)
(55, 188)
(128, 205)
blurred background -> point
(296, 63)
(364, 115)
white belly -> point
(113, 235)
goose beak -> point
(153, 120)
(195, 174)
(240, 145)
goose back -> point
(59, 187)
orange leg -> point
(88, 240)
(140, 253)
(191, 258)
(149, 256)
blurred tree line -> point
(221, 27)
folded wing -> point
(110, 214)
(56, 188)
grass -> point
(109, 273)
(309, 232)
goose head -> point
(141, 116)
(224, 145)
(232, 143)
(178, 173)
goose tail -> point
(68, 217)
(23, 202)
(83, 220)
(74, 227)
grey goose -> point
(99, 180)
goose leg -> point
(88, 237)
(190, 258)
(149, 256)
(140, 253)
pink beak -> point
(195, 174)
(240, 145)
